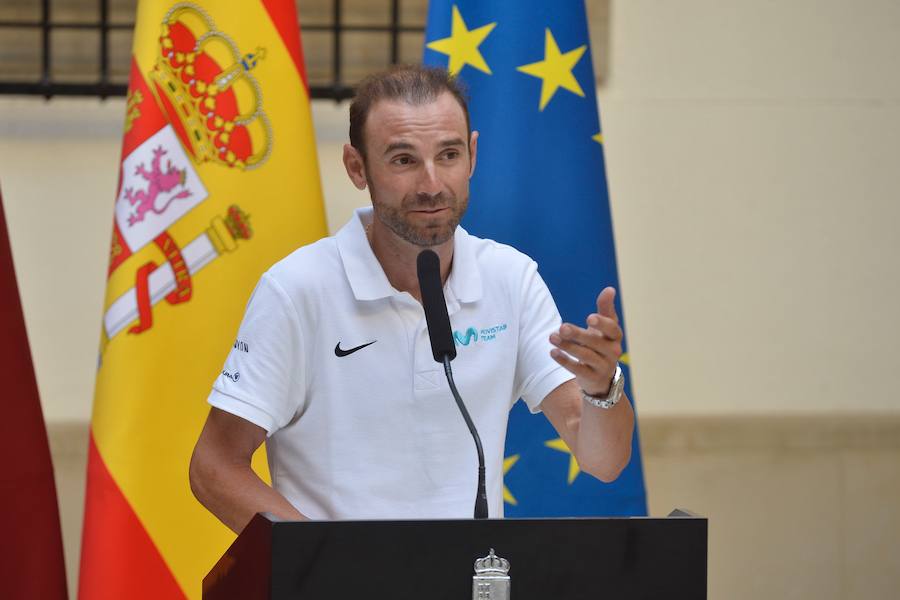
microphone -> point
(428, 268)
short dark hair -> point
(414, 84)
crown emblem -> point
(225, 232)
(206, 86)
(492, 565)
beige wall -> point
(752, 150)
(752, 158)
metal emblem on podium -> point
(491, 580)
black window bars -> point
(330, 86)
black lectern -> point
(550, 559)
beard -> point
(426, 231)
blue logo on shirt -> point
(485, 334)
(471, 334)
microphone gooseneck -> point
(481, 503)
(428, 268)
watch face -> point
(615, 394)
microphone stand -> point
(481, 506)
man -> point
(333, 365)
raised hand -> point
(591, 353)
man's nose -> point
(428, 182)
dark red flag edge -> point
(31, 551)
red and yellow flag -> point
(218, 180)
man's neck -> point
(398, 257)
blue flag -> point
(540, 186)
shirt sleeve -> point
(537, 374)
(263, 380)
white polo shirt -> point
(335, 364)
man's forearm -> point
(234, 494)
(603, 445)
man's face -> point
(417, 167)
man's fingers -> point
(573, 366)
(606, 326)
(606, 303)
(592, 347)
(599, 330)
(593, 371)
(583, 354)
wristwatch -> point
(616, 388)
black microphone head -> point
(428, 267)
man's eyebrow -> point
(452, 142)
(408, 146)
(398, 146)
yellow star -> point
(625, 359)
(462, 45)
(555, 70)
(508, 463)
(559, 444)
(598, 137)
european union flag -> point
(540, 186)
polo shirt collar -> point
(367, 278)
(465, 276)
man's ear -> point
(473, 152)
(355, 165)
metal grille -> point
(83, 47)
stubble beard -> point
(432, 232)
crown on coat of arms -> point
(492, 565)
(225, 232)
(207, 88)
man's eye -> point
(402, 160)
(451, 154)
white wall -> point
(752, 155)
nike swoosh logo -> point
(340, 353)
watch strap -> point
(614, 394)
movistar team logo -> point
(486, 334)
(466, 339)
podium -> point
(550, 559)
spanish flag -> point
(218, 180)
